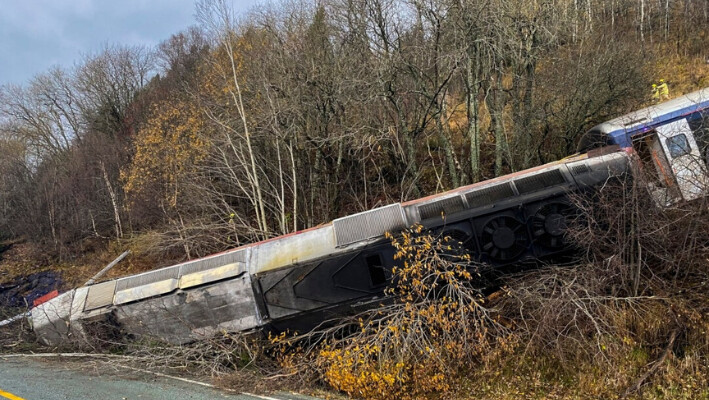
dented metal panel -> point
(100, 295)
(148, 278)
(50, 320)
(212, 275)
(368, 224)
(145, 291)
(193, 314)
(289, 250)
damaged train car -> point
(297, 280)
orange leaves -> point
(422, 345)
(167, 148)
(226, 68)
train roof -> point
(619, 130)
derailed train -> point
(297, 280)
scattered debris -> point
(22, 291)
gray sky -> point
(37, 34)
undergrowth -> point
(630, 320)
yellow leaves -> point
(167, 148)
(416, 348)
(420, 346)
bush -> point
(633, 312)
(420, 345)
(629, 319)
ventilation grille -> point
(148, 278)
(580, 169)
(369, 224)
(541, 181)
(446, 206)
(213, 262)
(100, 295)
(489, 195)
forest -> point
(240, 129)
(248, 126)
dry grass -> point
(23, 258)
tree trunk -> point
(295, 187)
(114, 202)
(444, 134)
(642, 20)
(472, 85)
(495, 105)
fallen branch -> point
(89, 355)
(107, 268)
(13, 319)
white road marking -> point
(260, 397)
(209, 385)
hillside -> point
(241, 130)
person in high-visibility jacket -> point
(655, 93)
(663, 90)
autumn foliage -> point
(628, 320)
(423, 344)
(168, 147)
(241, 129)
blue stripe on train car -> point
(623, 137)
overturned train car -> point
(297, 280)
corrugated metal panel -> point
(446, 206)
(489, 195)
(369, 224)
(148, 278)
(539, 182)
(579, 169)
(217, 261)
(100, 295)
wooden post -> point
(107, 268)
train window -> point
(699, 124)
(376, 269)
(678, 145)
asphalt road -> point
(39, 379)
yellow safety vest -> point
(664, 90)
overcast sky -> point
(37, 34)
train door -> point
(684, 158)
(655, 169)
